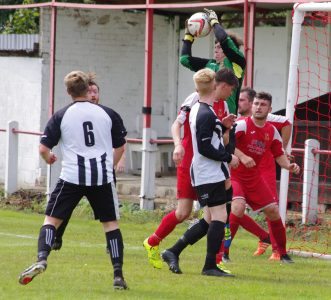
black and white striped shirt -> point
(209, 163)
(86, 133)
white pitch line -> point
(18, 235)
(82, 244)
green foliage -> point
(23, 21)
(131, 212)
(267, 18)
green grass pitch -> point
(82, 270)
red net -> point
(312, 121)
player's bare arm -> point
(120, 166)
(234, 163)
(179, 150)
(226, 137)
(286, 164)
(246, 160)
(118, 152)
(286, 132)
(48, 156)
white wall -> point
(20, 100)
(111, 43)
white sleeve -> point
(277, 118)
(241, 126)
(226, 108)
(186, 107)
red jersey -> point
(255, 141)
(221, 109)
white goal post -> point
(292, 88)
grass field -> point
(82, 270)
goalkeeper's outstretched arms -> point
(186, 59)
(230, 44)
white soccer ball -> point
(198, 25)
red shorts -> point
(257, 193)
(267, 168)
(185, 190)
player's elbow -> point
(184, 61)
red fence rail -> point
(130, 140)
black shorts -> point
(211, 194)
(65, 197)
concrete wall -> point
(111, 43)
(20, 100)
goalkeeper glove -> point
(188, 36)
(212, 17)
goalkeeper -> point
(226, 55)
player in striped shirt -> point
(225, 83)
(186, 194)
(87, 133)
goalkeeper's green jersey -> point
(234, 60)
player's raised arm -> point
(186, 58)
(230, 45)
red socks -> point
(251, 226)
(167, 225)
(234, 224)
(279, 233)
(272, 238)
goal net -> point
(308, 195)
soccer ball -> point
(198, 25)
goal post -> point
(308, 106)
(292, 88)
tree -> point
(26, 20)
(23, 20)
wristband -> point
(189, 37)
(213, 22)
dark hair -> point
(250, 93)
(227, 76)
(91, 82)
(264, 96)
(91, 79)
(235, 38)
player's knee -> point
(272, 212)
(182, 215)
(238, 208)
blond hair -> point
(77, 83)
(203, 81)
